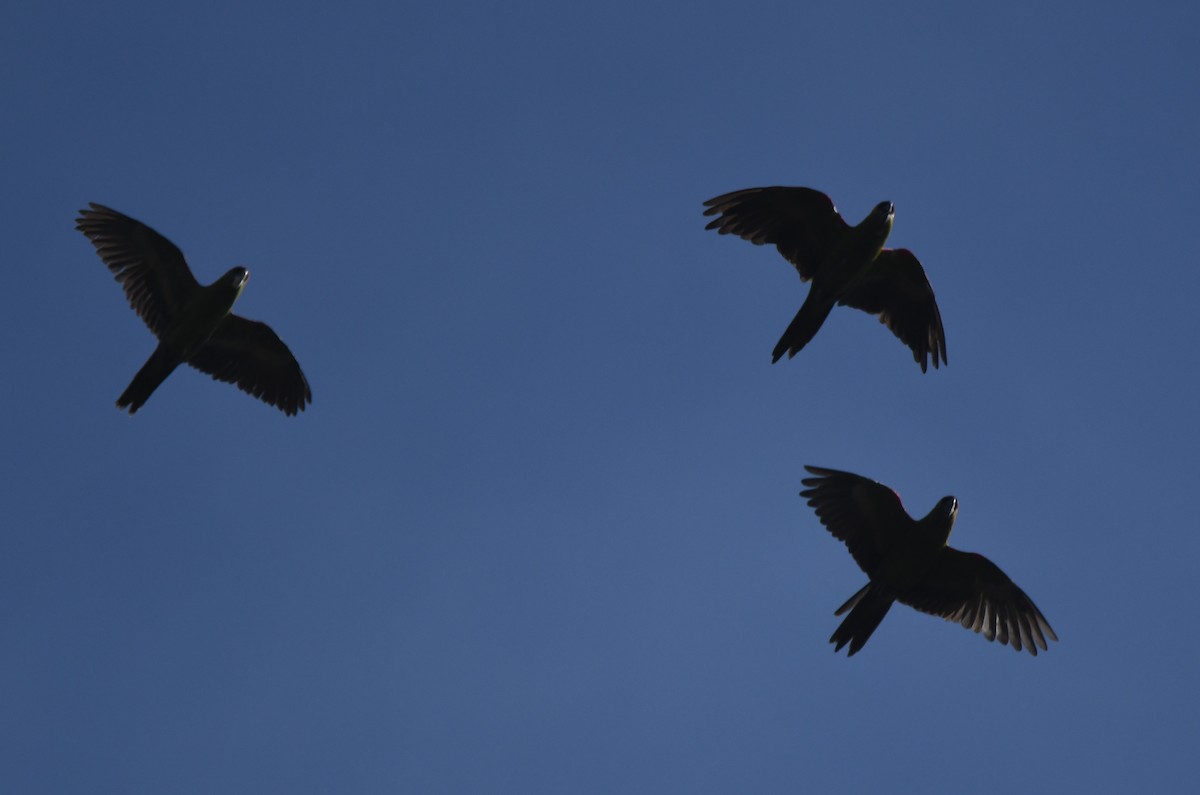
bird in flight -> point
(193, 324)
(909, 561)
(847, 265)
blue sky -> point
(539, 530)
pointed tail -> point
(153, 372)
(867, 608)
(804, 326)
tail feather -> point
(867, 608)
(804, 326)
(156, 369)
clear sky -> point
(540, 529)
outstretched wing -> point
(866, 515)
(152, 270)
(895, 288)
(971, 590)
(248, 353)
(802, 223)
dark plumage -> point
(193, 323)
(847, 264)
(909, 561)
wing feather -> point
(152, 270)
(801, 222)
(249, 354)
(896, 289)
(866, 515)
(971, 590)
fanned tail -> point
(867, 608)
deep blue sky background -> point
(540, 531)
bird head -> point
(231, 284)
(940, 520)
(947, 509)
(236, 277)
(880, 220)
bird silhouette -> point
(909, 561)
(847, 265)
(193, 323)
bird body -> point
(194, 324)
(847, 265)
(187, 332)
(196, 320)
(910, 561)
(854, 252)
